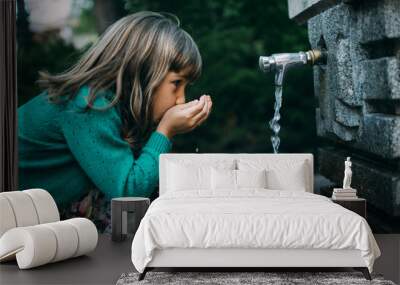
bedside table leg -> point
(143, 274)
(364, 271)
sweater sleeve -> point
(94, 140)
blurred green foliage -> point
(54, 56)
(231, 35)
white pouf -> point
(31, 231)
(46, 207)
(40, 244)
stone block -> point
(380, 135)
(348, 117)
(344, 133)
(295, 7)
(336, 24)
(380, 79)
(303, 10)
(345, 90)
(378, 20)
(314, 26)
(320, 123)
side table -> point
(126, 214)
(357, 205)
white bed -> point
(247, 210)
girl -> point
(104, 122)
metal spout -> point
(286, 61)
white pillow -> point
(187, 174)
(223, 179)
(251, 178)
(283, 174)
(183, 178)
(236, 179)
(293, 180)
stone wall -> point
(358, 94)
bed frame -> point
(250, 258)
(234, 257)
(242, 259)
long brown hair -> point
(131, 58)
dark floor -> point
(110, 260)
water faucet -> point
(285, 61)
(280, 63)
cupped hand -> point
(184, 118)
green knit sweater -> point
(67, 151)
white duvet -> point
(250, 219)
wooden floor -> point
(106, 264)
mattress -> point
(252, 218)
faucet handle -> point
(267, 63)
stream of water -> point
(274, 123)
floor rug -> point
(243, 278)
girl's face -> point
(171, 92)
